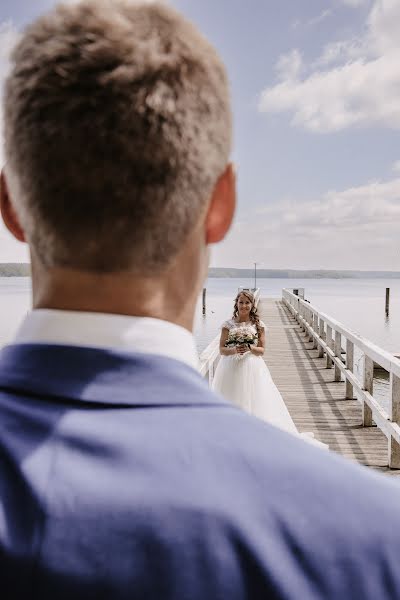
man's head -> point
(117, 132)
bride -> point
(242, 375)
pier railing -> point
(209, 358)
(337, 343)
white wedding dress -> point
(246, 381)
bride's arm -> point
(223, 350)
(259, 349)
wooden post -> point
(350, 367)
(387, 301)
(315, 328)
(338, 354)
(204, 300)
(394, 405)
(322, 329)
(368, 386)
(310, 322)
(394, 453)
(394, 414)
(321, 335)
(329, 344)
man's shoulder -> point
(180, 469)
(97, 375)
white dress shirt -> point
(101, 330)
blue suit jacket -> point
(124, 477)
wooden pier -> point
(311, 358)
(315, 401)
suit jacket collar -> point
(122, 333)
(101, 376)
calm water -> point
(15, 302)
(357, 304)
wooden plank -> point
(315, 401)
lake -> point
(359, 304)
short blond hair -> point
(117, 126)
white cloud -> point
(344, 51)
(314, 20)
(8, 38)
(396, 166)
(362, 87)
(357, 228)
(289, 65)
(383, 23)
(321, 17)
(10, 249)
(353, 3)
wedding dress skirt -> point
(246, 381)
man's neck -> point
(123, 293)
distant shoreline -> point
(24, 270)
(301, 274)
(15, 269)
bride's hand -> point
(241, 349)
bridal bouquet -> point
(240, 337)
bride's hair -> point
(254, 318)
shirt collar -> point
(108, 331)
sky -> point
(316, 101)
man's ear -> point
(222, 207)
(7, 210)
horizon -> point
(317, 154)
(259, 270)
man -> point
(122, 475)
